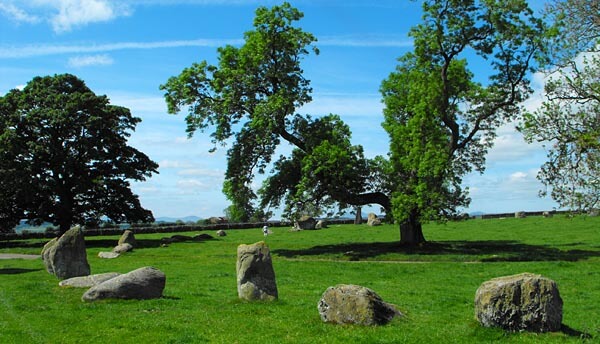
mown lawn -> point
(434, 286)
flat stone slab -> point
(108, 255)
(88, 281)
(143, 283)
(19, 256)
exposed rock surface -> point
(66, 257)
(88, 281)
(108, 255)
(353, 304)
(143, 283)
(305, 222)
(373, 220)
(523, 302)
(127, 238)
(122, 248)
(321, 224)
(255, 274)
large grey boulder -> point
(373, 220)
(88, 281)
(66, 257)
(255, 274)
(305, 222)
(127, 238)
(143, 283)
(523, 302)
(122, 248)
(221, 233)
(520, 215)
(353, 304)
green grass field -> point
(433, 286)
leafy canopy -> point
(440, 120)
(250, 98)
(569, 118)
(64, 156)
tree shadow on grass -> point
(571, 332)
(483, 251)
(22, 243)
(16, 271)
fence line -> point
(232, 226)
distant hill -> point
(175, 219)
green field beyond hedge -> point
(433, 286)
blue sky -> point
(126, 49)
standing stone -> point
(520, 215)
(88, 281)
(255, 274)
(353, 304)
(373, 220)
(46, 254)
(66, 257)
(143, 283)
(519, 302)
(127, 238)
(221, 233)
(547, 214)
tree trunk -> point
(358, 219)
(411, 231)
(63, 228)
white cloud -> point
(64, 15)
(174, 164)
(365, 41)
(517, 177)
(35, 50)
(202, 172)
(46, 50)
(90, 60)
(75, 13)
(18, 14)
(190, 186)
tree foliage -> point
(251, 96)
(64, 156)
(440, 120)
(569, 118)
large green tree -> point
(569, 118)
(441, 121)
(64, 156)
(252, 95)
